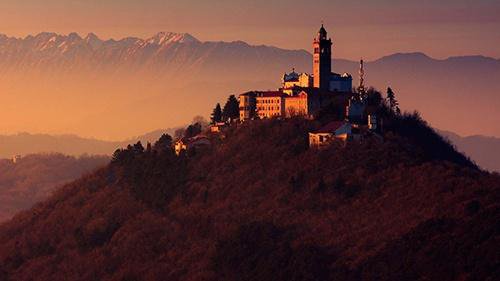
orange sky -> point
(360, 28)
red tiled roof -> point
(271, 94)
(265, 94)
(331, 127)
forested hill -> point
(33, 178)
(260, 205)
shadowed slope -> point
(33, 178)
(261, 206)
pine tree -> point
(393, 103)
(216, 114)
(193, 130)
(231, 109)
(164, 143)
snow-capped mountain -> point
(170, 77)
(166, 53)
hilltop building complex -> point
(313, 96)
(301, 93)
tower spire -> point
(322, 60)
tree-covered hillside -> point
(260, 205)
(33, 178)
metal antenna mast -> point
(361, 88)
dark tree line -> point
(154, 175)
(229, 113)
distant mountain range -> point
(117, 88)
(166, 53)
(108, 88)
(458, 93)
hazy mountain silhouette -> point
(457, 94)
(117, 88)
(485, 151)
(25, 143)
(167, 54)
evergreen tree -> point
(118, 156)
(164, 143)
(231, 109)
(216, 114)
(193, 130)
(393, 103)
(138, 148)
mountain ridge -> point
(124, 80)
(484, 150)
(166, 37)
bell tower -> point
(322, 64)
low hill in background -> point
(33, 178)
(25, 143)
(260, 205)
(485, 151)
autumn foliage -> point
(260, 205)
(34, 177)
